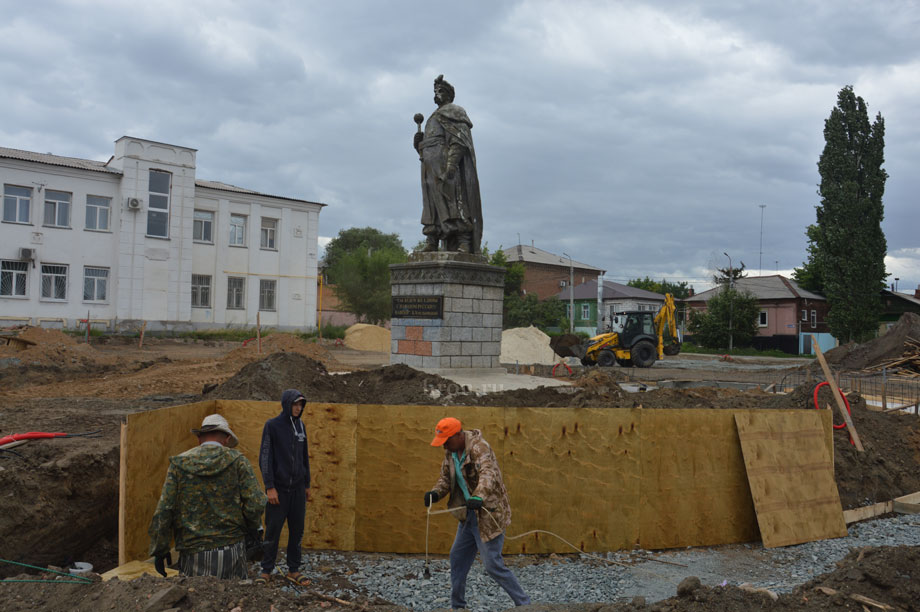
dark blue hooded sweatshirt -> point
(283, 456)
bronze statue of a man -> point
(451, 208)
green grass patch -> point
(689, 347)
(332, 332)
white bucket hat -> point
(216, 422)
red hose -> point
(32, 435)
(845, 401)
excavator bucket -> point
(567, 345)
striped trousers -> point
(224, 562)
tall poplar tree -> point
(847, 247)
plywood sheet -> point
(331, 436)
(397, 464)
(694, 490)
(791, 476)
(148, 441)
(574, 472)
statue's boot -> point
(431, 244)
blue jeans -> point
(292, 507)
(462, 555)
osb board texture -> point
(574, 472)
(398, 464)
(791, 476)
(330, 518)
(150, 439)
(694, 491)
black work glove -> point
(161, 562)
(474, 503)
(430, 498)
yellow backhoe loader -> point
(636, 338)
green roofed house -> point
(615, 298)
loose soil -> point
(58, 498)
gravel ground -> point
(573, 579)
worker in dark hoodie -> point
(285, 464)
(210, 502)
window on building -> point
(201, 291)
(814, 318)
(97, 212)
(804, 314)
(269, 231)
(267, 294)
(17, 203)
(585, 311)
(237, 230)
(762, 320)
(57, 208)
(235, 292)
(203, 226)
(54, 282)
(158, 204)
(95, 284)
(13, 278)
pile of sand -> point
(526, 345)
(280, 342)
(363, 337)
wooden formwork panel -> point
(694, 490)
(575, 472)
(791, 476)
(148, 440)
(397, 464)
(330, 519)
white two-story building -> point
(140, 239)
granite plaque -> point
(418, 307)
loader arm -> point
(666, 318)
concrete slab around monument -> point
(491, 380)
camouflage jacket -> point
(483, 479)
(211, 498)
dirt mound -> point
(199, 593)
(852, 357)
(265, 380)
(280, 342)
(526, 345)
(363, 337)
(47, 347)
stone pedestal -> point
(447, 311)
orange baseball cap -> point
(445, 429)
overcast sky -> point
(638, 137)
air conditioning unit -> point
(133, 203)
(26, 254)
(563, 283)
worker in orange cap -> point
(478, 499)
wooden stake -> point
(259, 331)
(835, 390)
(140, 343)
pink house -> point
(789, 315)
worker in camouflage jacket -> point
(210, 501)
(478, 499)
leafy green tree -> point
(847, 245)
(810, 276)
(363, 285)
(679, 290)
(355, 238)
(729, 308)
(526, 310)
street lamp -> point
(571, 295)
(760, 263)
(896, 279)
(731, 281)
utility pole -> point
(571, 295)
(731, 301)
(760, 263)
